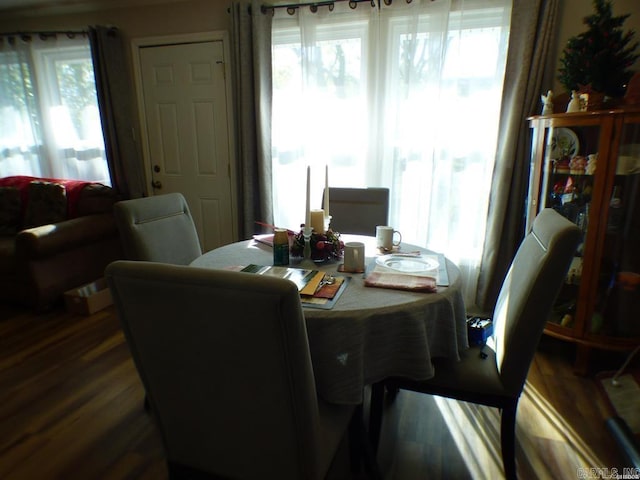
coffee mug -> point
(354, 257)
(384, 237)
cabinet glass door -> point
(570, 170)
(617, 309)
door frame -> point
(166, 40)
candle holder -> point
(306, 233)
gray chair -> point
(358, 210)
(225, 362)
(523, 306)
(158, 229)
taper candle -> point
(326, 192)
(307, 218)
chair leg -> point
(355, 443)
(360, 447)
(508, 440)
(375, 414)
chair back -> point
(528, 292)
(158, 229)
(358, 210)
(225, 362)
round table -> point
(370, 333)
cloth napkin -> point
(401, 281)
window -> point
(49, 118)
(405, 96)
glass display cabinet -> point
(586, 166)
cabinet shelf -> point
(598, 307)
(572, 174)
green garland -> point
(599, 58)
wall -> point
(187, 16)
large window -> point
(405, 96)
(49, 118)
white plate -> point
(408, 264)
(564, 141)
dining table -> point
(370, 333)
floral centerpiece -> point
(324, 246)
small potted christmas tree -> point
(599, 59)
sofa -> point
(55, 235)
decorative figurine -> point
(574, 104)
(547, 103)
(592, 161)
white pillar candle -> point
(326, 192)
(307, 218)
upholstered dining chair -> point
(358, 210)
(224, 359)
(496, 378)
(158, 229)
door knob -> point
(156, 184)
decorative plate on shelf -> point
(564, 143)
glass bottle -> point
(280, 247)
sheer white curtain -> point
(20, 134)
(405, 96)
(49, 118)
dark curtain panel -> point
(533, 25)
(116, 102)
(252, 81)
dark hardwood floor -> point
(71, 407)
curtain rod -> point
(313, 6)
(45, 34)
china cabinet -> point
(586, 165)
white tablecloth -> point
(370, 333)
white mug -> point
(384, 237)
(354, 257)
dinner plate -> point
(408, 264)
(564, 142)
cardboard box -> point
(88, 298)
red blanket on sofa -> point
(73, 188)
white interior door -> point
(185, 116)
